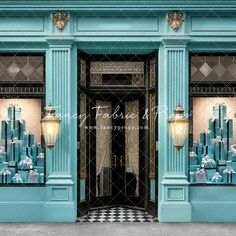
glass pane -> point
(213, 68)
(21, 68)
(103, 148)
(213, 152)
(21, 153)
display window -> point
(212, 155)
(22, 93)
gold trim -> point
(175, 19)
(60, 19)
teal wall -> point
(129, 27)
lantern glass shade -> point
(50, 127)
(179, 127)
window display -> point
(22, 158)
(212, 155)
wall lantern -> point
(50, 126)
(178, 127)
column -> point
(61, 91)
(173, 83)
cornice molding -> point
(75, 5)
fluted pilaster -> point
(173, 88)
(60, 92)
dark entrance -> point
(117, 161)
(117, 140)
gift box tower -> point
(18, 152)
(213, 153)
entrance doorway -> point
(117, 138)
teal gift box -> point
(25, 164)
(14, 154)
(3, 156)
(220, 169)
(217, 178)
(23, 156)
(24, 175)
(31, 139)
(192, 177)
(17, 179)
(199, 153)
(208, 136)
(34, 154)
(233, 165)
(232, 153)
(39, 148)
(210, 173)
(234, 177)
(208, 163)
(193, 168)
(3, 165)
(212, 127)
(223, 110)
(10, 112)
(33, 177)
(200, 175)
(22, 128)
(40, 159)
(12, 163)
(12, 170)
(232, 158)
(18, 112)
(216, 110)
(5, 176)
(39, 169)
(220, 150)
(203, 138)
(16, 131)
(228, 174)
(41, 178)
(25, 139)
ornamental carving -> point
(175, 19)
(60, 19)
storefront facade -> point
(161, 35)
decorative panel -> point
(213, 24)
(112, 24)
(60, 194)
(21, 24)
(175, 194)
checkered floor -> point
(117, 214)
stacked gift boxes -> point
(213, 158)
(21, 160)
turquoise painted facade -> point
(123, 27)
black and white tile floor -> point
(117, 214)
